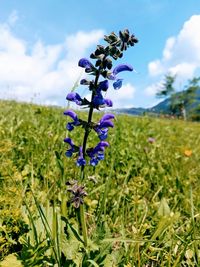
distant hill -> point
(161, 108)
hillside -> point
(164, 107)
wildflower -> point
(102, 127)
(98, 101)
(73, 115)
(188, 152)
(97, 153)
(103, 86)
(151, 140)
(80, 161)
(85, 63)
(113, 75)
(78, 193)
(75, 97)
(72, 149)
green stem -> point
(83, 225)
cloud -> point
(181, 54)
(41, 71)
(152, 89)
(122, 98)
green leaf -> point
(163, 209)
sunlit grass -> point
(146, 194)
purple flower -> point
(122, 67)
(85, 63)
(75, 97)
(78, 193)
(70, 151)
(97, 153)
(80, 161)
(73, 115)
(151, 140)
(103, 86)
(118, 84)
(113, 76)
(84, 82)
(102, 127)
(98, 101)
(108, 102)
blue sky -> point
(41, 42)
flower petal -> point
(103, 85)
(118, 84)
(85, 63)
(108, 102)
(106, 124)
(107, 117)
(122, 67)
(71, 114)
(69, 141)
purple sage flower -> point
(113, 75)
(80, 161)
(98, 101)
(103, 86)
(97, 153)
(75, 97)
(70, 151)
(102, 127)
(85, 63)
(73, 115)
(120, 68)
(78, 193)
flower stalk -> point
(103, 74)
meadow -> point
(143, 202)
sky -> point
(42, 41)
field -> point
(143, 202)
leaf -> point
(163, 209)
(93, 263)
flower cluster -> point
(103, 74)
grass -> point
(142, 210)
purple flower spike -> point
(122, 67)
(118, 84)
(74, 97)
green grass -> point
(144, 209)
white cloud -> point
(181, 54)
(43, 72)
(152, 89)
(122, 98)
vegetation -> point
(183, 101)
(143, 206)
